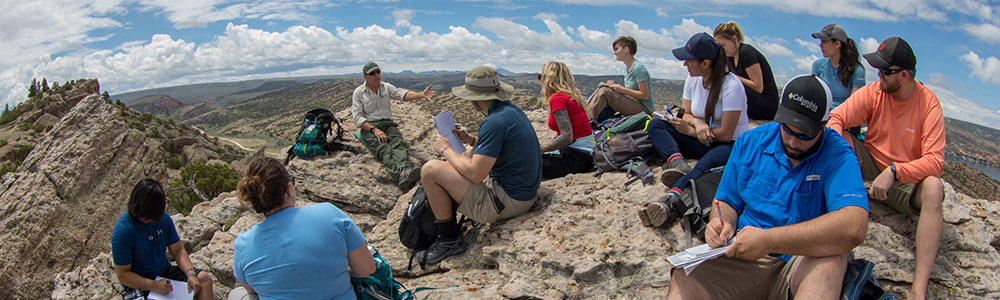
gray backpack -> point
(625, 146)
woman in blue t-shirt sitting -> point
(307, 252)
(840, 66)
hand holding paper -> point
(178, 291)
(445, 122)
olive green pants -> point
(394, 154)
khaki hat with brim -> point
(481, 84)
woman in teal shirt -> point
(840, 66)
(631, 97)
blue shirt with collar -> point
(760, 184)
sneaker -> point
(660, 211)
(409, 177)
(673, 171)
(441, 249)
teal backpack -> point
(381, 285)
(313, 136)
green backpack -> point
(380, 285)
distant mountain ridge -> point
(156, 104)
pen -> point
(718, 210)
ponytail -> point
(720, 68)
(263, 185)
(849, 62)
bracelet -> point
(441, 153)
(190, 271)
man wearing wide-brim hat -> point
(902, 155)
(498, 175)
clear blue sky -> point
(133, 45)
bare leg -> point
(928, 198)
(683, 287)
(443, 184)
(205, 281)
(818, 277)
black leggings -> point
(566, 162)
(761, 107)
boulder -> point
(46, 120)
(60, 206)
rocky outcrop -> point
(57, 207)
(581, 240)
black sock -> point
(447, 229)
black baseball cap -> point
(831, 32)
(700, 46)
(805, 104)
(893, 51)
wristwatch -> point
(892, 167)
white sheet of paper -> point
(180, 292)
(445, 122)
(692, 257)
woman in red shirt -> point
(569, 152)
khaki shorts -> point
(483, 201)
(900, 193)
(734, 278)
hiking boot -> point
(441, 249)
(644, 218)
(409, 177)
(673, 171)
(660, 211)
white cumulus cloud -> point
(200, 13)
(520, 37)
(958, 107)
(33, 30)
(986, 32)
(986, 69)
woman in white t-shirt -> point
(715, 105)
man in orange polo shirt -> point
(902, 156)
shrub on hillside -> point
(174, 163)
(210, 179)
(9, 115)
(7, 168)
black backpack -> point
(416, 228)
(312, 137)
(695, 203)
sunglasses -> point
(539, 76)
(291, 178)
(796, 135)
(375, 72)
(889, 71)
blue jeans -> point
(667, 141)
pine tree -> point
(45, 85)
(33, 89)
